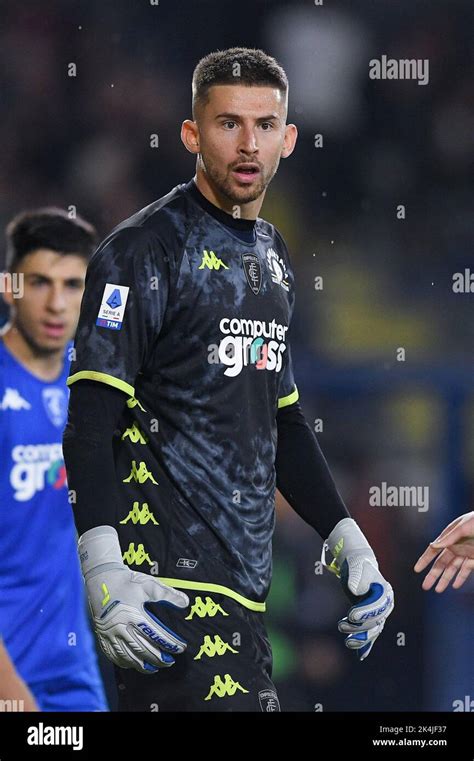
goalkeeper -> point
(184, 417)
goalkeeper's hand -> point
(371, 595)
(129, 634)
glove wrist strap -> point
(346, 538)
(98, 547)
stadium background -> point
(387, 282)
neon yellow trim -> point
(106, 594)
(103, 378)
(334, 568)
(284, 401)
(202, 586)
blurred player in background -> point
(181, 387)
(42, 610)
(454, 553)
(4, 312)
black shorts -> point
(227, 665)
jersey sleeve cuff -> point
(284, 401)
(101, 378)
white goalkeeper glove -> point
(129, 634)
(371, 595)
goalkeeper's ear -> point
(289, 141)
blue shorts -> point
(72, 692)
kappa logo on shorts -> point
(222, 688)
(136, 556)
(210, 648)
(268, 700)
(141, 516)
(140, 474)
(203, 609)
(112, 307)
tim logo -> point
(268, 700)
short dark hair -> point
(51, 228)
(219, 68)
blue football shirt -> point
(42, 605)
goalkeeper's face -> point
(242, 135)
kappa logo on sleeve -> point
(112, 308)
